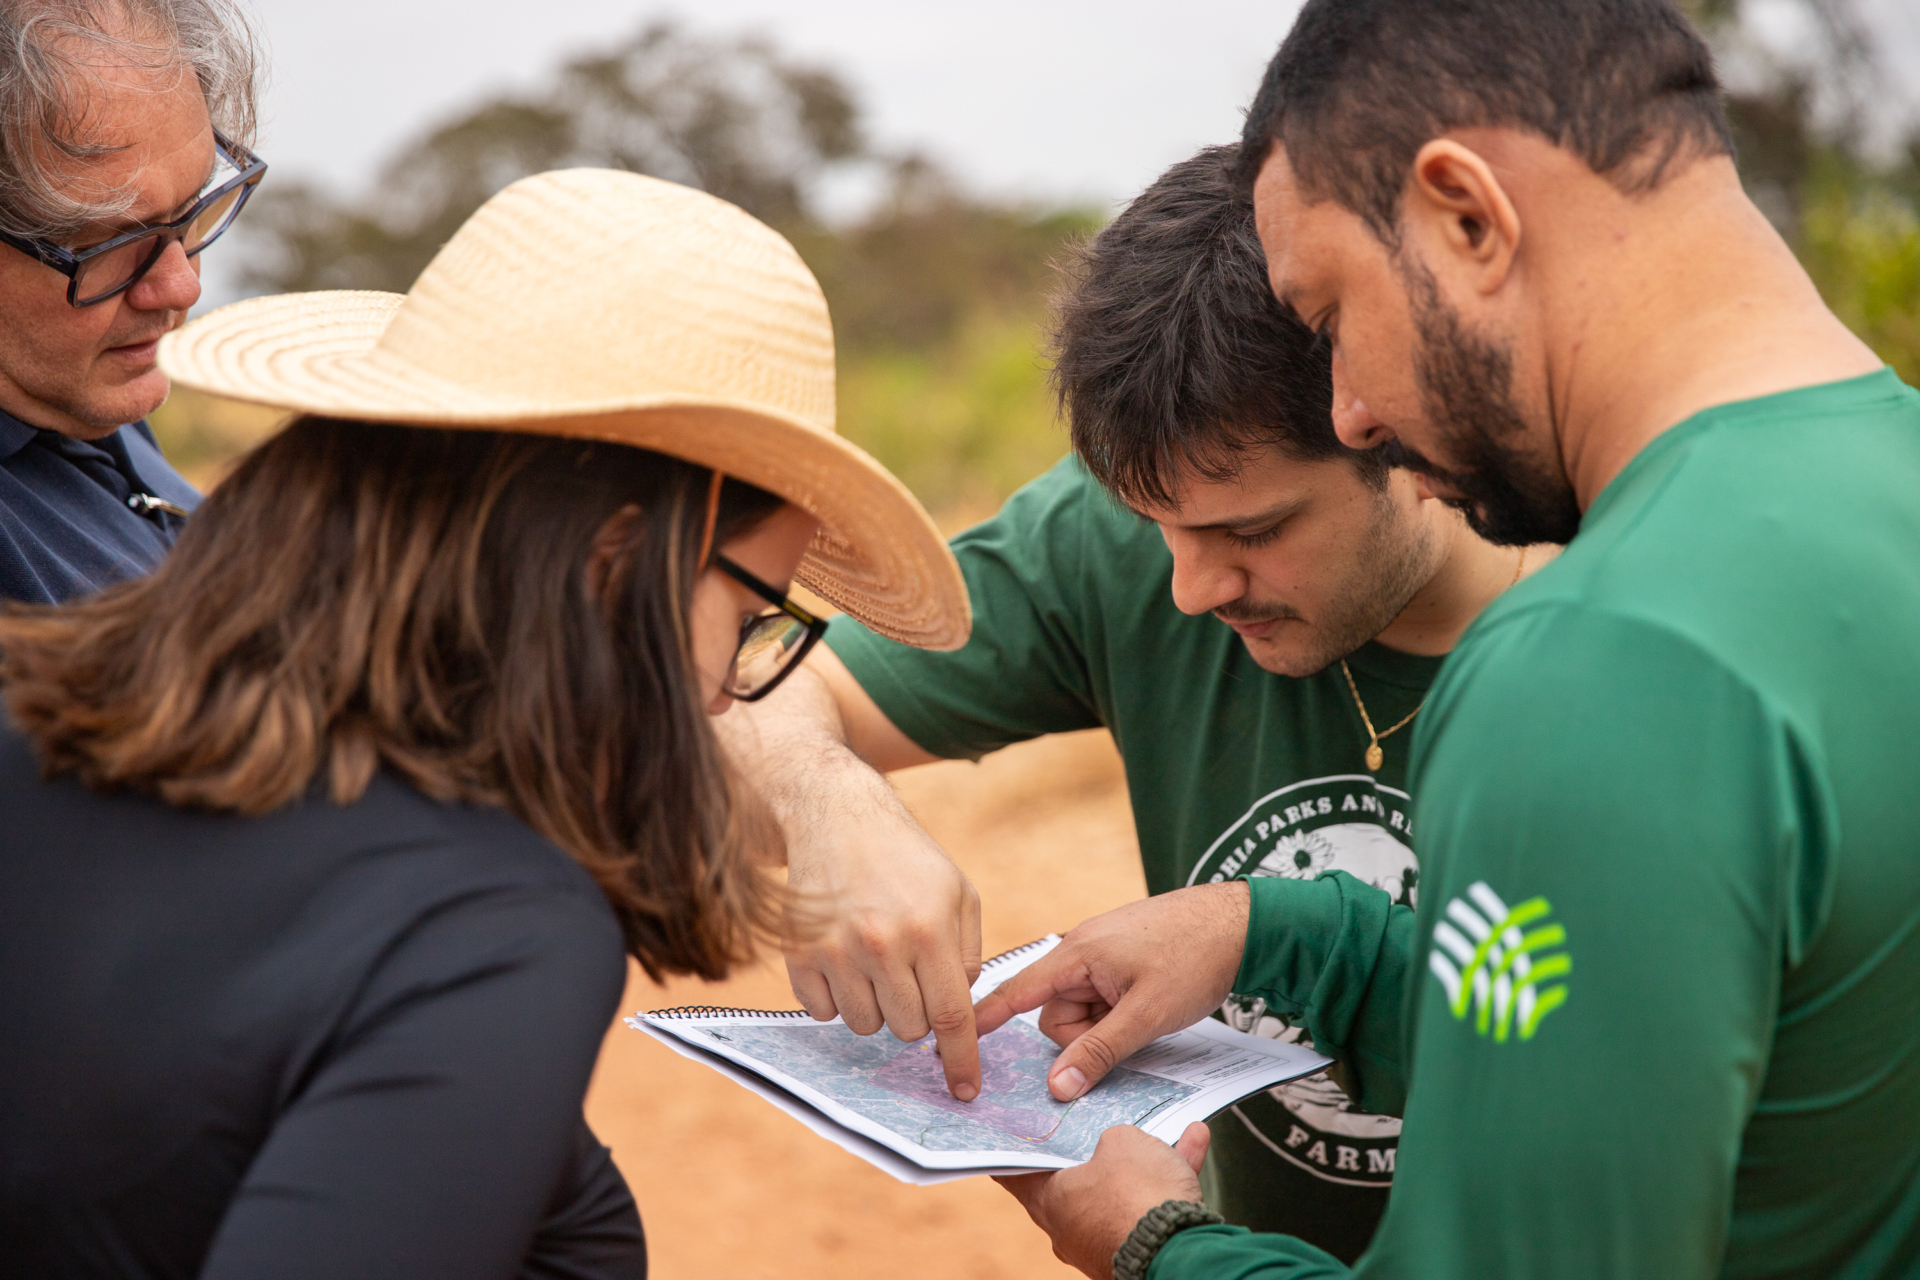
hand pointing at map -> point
(1125, 978)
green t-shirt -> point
(1233, 770)
(1658, 1010)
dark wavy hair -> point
(1359, 86)
(1171, 355)
(359, 596)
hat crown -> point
(584, 287)
(607, 306)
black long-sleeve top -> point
(329, 1042)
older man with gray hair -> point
(124, 127)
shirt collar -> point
(15, 435)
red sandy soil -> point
(730, 1187)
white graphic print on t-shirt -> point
(1349, 823)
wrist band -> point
(1157, 1226)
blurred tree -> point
(1860, 241)
(1811, 130)
(732, 117)
(939, 301)
(938, 297)
(927, 255)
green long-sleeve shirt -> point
(1657, 1013)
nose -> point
(171, 284)
(1202, 581)
(1353, 422)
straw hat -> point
(611, 306)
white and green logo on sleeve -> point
(1501, 962)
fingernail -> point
(1069, 1084)
(966, 1093)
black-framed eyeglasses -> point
(112, 267)
(772, 644)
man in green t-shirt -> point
(1257, 645)
(1657, 1012)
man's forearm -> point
(892, 932)
(1337, 954)
(1234, 1253)
(792, 748)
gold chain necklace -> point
(1375, 756)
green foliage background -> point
(1851, 210)
(940, 307)
(1860, 241)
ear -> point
(1455, 194)
(610, 541)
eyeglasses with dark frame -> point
(772, 644)
(113, 266)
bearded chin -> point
(1509, 496)
(1505, 499)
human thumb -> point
(1192, 1144)
(1085, 1062)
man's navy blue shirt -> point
(66, 527)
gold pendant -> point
(1375, 756)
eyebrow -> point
(198, 191)
(122, 225)
(1272, 515)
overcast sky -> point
(1056, 99)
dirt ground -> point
(730, 1187)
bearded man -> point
(1255, 611)
(1658, 1010)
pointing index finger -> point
(1053, 974)
(949, 1008)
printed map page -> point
(901, 1087)
(888, 1104)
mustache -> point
(151, 331)
(138, 339)
(1244, 612)
(1397, 454)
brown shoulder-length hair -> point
(359, 595)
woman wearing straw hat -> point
(322, 844)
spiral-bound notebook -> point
(887, 1102)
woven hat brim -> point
(877, 555)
